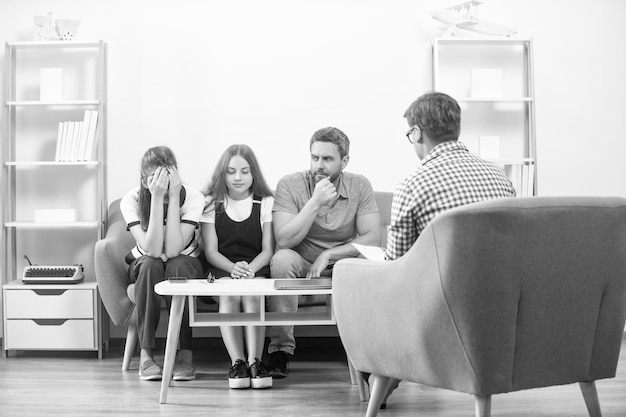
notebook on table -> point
(302, 283)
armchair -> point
(113, 282)
(493, 297)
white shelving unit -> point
(493, 81)
(33, 179)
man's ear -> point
(344, 161)
(419, 134)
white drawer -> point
(49, 304)
(50, 334)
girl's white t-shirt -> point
(240, 210)
(190, 212)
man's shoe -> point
(150, 371)
(278, 364)
(259, 376)
(183, 367)
(239, 375)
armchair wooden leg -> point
(590, 394)
(364, 391)
(129, 347)
(482, 406)
(356, 378)
(380, 387)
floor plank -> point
(318, 385)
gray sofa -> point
(111, 268)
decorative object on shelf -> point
(463, 16)
(67, 28)
(486, 82)
(51, 84)
(43, 27)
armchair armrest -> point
(394, 320)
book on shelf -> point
(76, 141)
(91, 145)
(522, 176)
(82, 142)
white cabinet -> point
(53, 206)
(58, 317)
(493, 81)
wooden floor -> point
(66, 384)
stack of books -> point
(76, 141)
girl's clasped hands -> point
(241, 270)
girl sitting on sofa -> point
(162, 214)
(239, 243)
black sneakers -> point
(278, 364)
(239, 375)
(259, 377)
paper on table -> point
(373, 253)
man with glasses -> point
(447, 176)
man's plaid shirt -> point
(449, 176)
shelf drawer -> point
(49, 304)
(50, 334)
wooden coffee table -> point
(245, 287)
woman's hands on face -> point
(174, 181)
(158, 183)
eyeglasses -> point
(410, 132)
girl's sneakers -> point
(241, 376)
(259, 376)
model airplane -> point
(463, 16)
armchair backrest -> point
(500, 296)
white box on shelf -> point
(51, 84)
(486, 83)
(55, 215)
(489, 147)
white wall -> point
(199, 75)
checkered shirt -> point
(449, 176)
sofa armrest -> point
(111, 268)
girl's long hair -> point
(153, 158)
(216, 190)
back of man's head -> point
(437, 114)
(332, 135)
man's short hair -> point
(437, 114)
(332, 135)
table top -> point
(200, 287)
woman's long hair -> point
(158, 156)
(216, 191)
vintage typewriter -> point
(52, 274)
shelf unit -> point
(33, 179)
(493, 81)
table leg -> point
(173, 329)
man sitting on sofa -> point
(317, 213)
